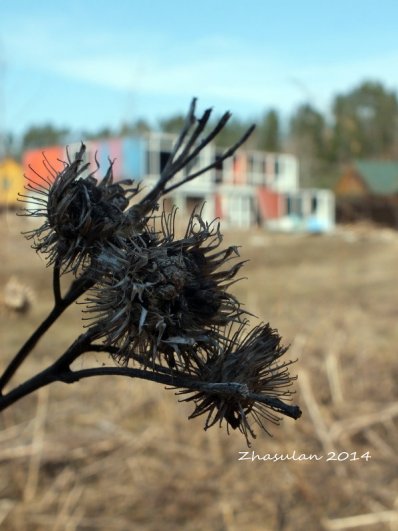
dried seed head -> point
(252, 362)
(79, 212)
(161, 295)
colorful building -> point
(252, 187)
(11, 182)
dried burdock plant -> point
(79, 212)
(158, 304)
(159, 295)
(251, 363)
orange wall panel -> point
(218, 205)
(35, 165)
(240, 168)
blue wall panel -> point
(134, 158)
(104, 155)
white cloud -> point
(214, 66)
(246, 77)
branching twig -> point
(57, 283)
(60, 371)
(78, 288)
(228, 153)
(177, 161)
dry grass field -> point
(119, 455)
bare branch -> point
(181, 157)
(228, 153)
(77, 289)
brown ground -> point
(113, 454)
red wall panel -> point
(34, 162)
(116, 155)
(270, 203)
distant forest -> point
(362, 123)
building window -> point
(288, 205)
(250, 164)
(314, 204)
(294, 206)
(218, 177)
(148, 162)
(164, 157)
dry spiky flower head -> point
(247, 359)
(159, 295)
(79, 211)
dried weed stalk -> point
(159, 305)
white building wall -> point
(237, 204)
(287, 180)
(311, 210)
(278, 172)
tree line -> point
(361, 123)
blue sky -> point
(88, 64)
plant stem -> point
(57, 282)
(77, 289)
(174, 380)
(60, 371)
(55, 372)
(33, 384)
